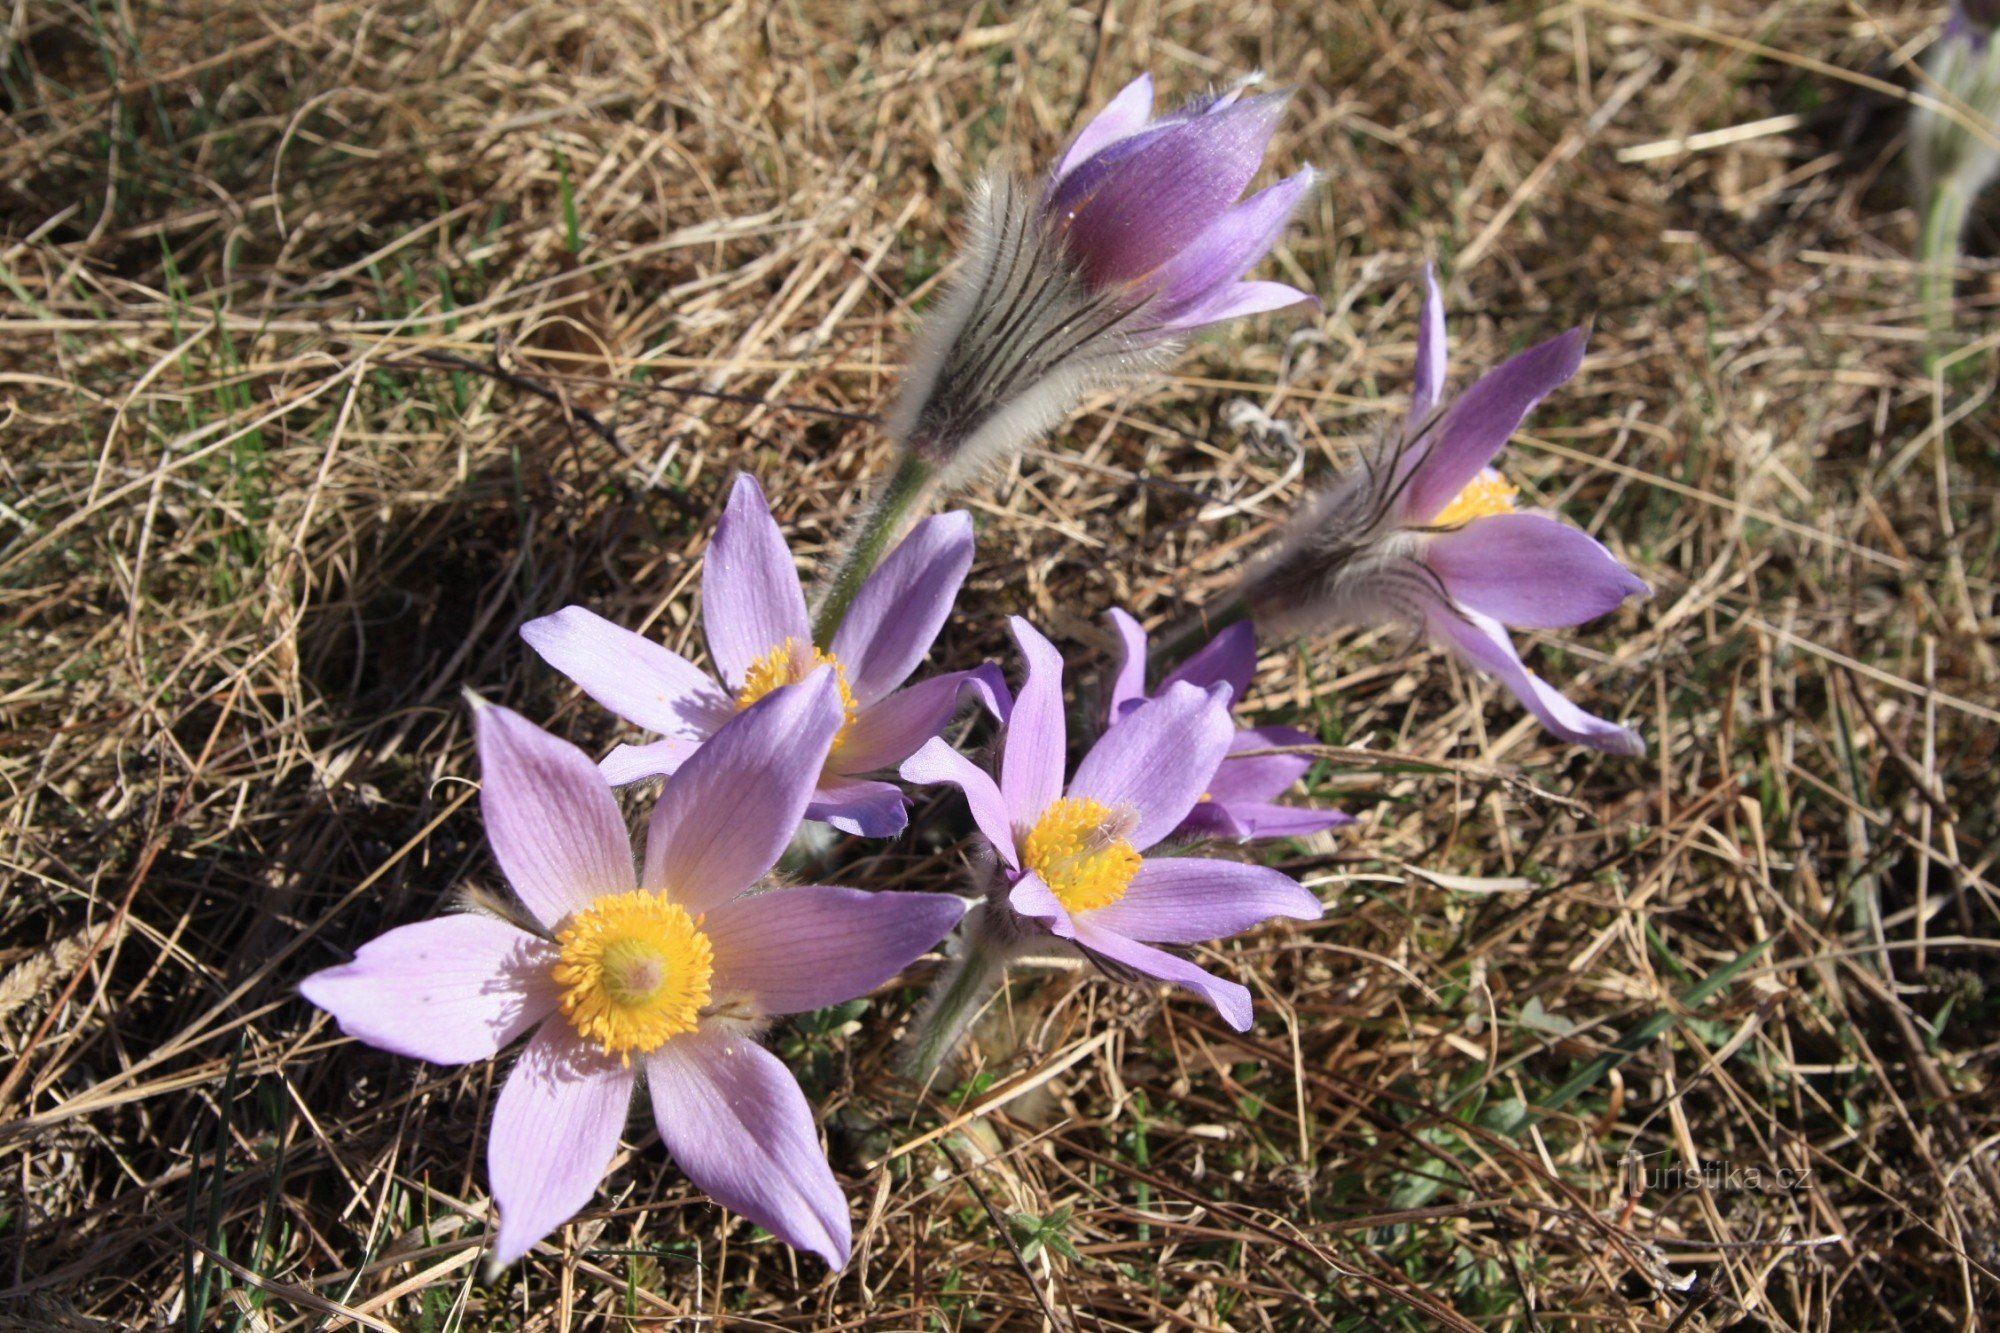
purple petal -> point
(794, 950)
(1158, 760)
(629, 674)
(1429, 386)
(1187, 899)
(733, 1117)
(555, 1129)
(1267, 820)
(1484, 640)
(1230, 1000)
(890, 731)
(1129, 686)
(751, 601)
(901, 607)
(1032, 898)
(1260, 777)
(550, 816)
(1237, 301)
(1230, 658)
(627, 764)
(1231, 248)
(1482, 419)
(1129, 213)
(450, 991)
(865, 808)
(1123, 116)
(937, 762)
(1528, 569)
(1033, 753)
(727, 815)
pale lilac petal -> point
(555, 1130)
(1187, 899)
(635, 678)
(1232, 247)
(901, 607)
(728, 814)
(1238, 301)
(1431, 356)
(1128, 688)
(450, 991)
(1033, 753)
(794, 950)
(1260, 777)
(1129, 213)
(1243, 820)
(1158, 759)
(1481, 420)
(937, 762)
(1122, 117)
(1230, 1000)
(1528, 569)
(861, 806)
(550, 817)
(627, 764)
(1034, 899)
(751, 601)
(733, 1118)
(890, 731)
(1230, 658)
(1485, 641)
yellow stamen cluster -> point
(1079, 850)
(635, 971)
(788, 664)
(1485, 495)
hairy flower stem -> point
(906, 495)
(956, 1001)
(1944, 225)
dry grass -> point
(259, 528)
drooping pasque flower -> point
(754, 611)
(1137, 238)
(1945, 152)
(1426, 531)
(1072, 859)
(1241, 800)
(671, 970)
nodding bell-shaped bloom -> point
(760, 636)
(1072, 860)
(1427, 532)
(1139, 237)
(671, 970)
(1945, 152)
(1241, 800)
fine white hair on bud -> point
(1955, 147)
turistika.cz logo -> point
(1648, 1172)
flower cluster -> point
(665, 971)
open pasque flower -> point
(1426, 531)
(671, 971)
(1139, 237)
(1241, 800)
(1072, 859)
(754, 611)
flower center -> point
(1078, 847)
(788, 664)
(1485, 495)
(634, 972)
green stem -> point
(1944, 224)
(906, 494)
(960, 995)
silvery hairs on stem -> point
(1945, 153)
(1098, 277)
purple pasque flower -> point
(1426, 531)
(1952, 147)
(760, 636)
(671, 970)
(1139, 237)
(1072, 859)
(1241, 800)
